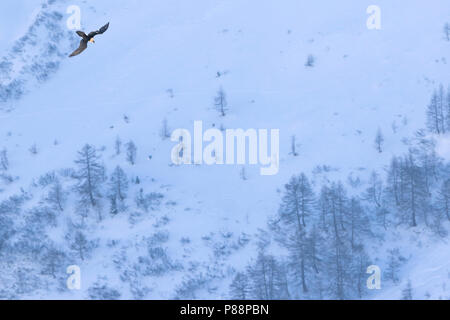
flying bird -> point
(88, 38)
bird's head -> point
(92, 40)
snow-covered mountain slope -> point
(36, 55)
(427, 269)
(166, 60)
(15, 18)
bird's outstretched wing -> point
(100, 31)
(82, 34)
(83, 45)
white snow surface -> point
(362, 80)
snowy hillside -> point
(188, 231)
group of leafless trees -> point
(24, 230)
(324, 234)
(438, 111)
(92, 184)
